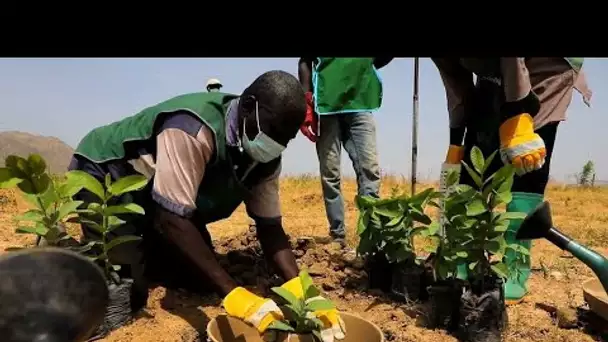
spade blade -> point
(50, 294)
(537, 224)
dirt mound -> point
(56, 153)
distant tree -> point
(587, 175)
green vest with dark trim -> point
(346, 85)
(220, 192)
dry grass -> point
(581, 213)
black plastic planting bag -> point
(408, 282)
(379, 272)
(483, 314)
(118, 312)
(444, 298)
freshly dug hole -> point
(228, 329)
(483, 314)
(118, 312)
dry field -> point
(555, 283)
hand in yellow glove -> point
(255, 310)
(333, 325)
(455, 155)
(520, 146)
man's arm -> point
(184, 148)
(305, 73)
(517, 88)
(380, 62)
(264, 208)
(459, 90)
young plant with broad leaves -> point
(50, 196)
(474, 228)
(389, 225)
(299, 312)
(102, 216)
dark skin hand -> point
(182, 232)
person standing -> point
(341, 95)
(515, 107)
(214, 85)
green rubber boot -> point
(515, 286)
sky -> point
(67, 98)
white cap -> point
(213, 81)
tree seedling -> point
(102, 216)
(299, 312)
(474, 229)
(52, 198)
(389, 225)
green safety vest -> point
(220, 192)
(346, 85)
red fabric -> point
(309, 127)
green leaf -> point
(500, 269)
(128, 184)
(362, 223)
(473, 265)
(120, 240)
(85, 180)
(41, 183)
(114, 222)
(492, 246)
(25, 230)
(36, 164)
(519, 249)
(319, 304)
(91, 224)
(513, 216)
(128, 208)
(116, 268)
(68, 189)
(68, 208)
(7, 180)
(395, 221)
(476, 207)
(476, 178)
(462, 254)
(281, 325)
(477, 159)
(308, 288)
(26, 186)
(365, 202)
(488, 162)
(287, 296)
(34, 215)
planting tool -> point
(50, 294)
(539, 224)
(225, 328)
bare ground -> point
(555, 283)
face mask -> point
(262, 148)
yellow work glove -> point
(520, 146)
(253, 309)
(454, 155)
(333, 325)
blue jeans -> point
(357, 133)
